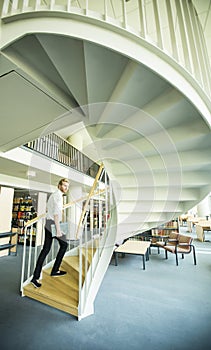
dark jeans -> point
(46, 248)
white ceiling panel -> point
(34, 116)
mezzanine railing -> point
(170, 25)
(59, 149)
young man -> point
(54, 216)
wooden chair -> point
(182, 246)
(171, 240)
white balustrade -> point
(172, 26)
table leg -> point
(143, 261)
(116, 258)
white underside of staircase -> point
(154, 141)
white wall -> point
(6, 203)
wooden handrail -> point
(67, 205)
(32, 221)
(81, 199)
(91, 193)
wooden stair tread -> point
(70, 309)
(62, 292)
(89, 252)
(68, 280)
(72, 262)
(52, 293)
(57, 295)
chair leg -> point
(194, 255)
(147, 254)
(176, 258)
(166, 253)
(182, 256)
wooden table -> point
(133, 247)
(201, 227)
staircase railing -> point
(88, 244)
(172, 26)
(89, 237)
(98, 249)
(91, 193)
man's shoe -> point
(58, 273)
(35, 283)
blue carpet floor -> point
(165, 307)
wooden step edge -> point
(89, 257)
(55, 292)
(74, 263)
(70, 309)
(69, 290)
(65, 284)
(73, 282)
(60, 289)
(67, 266)
(71, 261)
(90, 251)
(71, 271)
(69, 278)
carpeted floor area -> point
(165, 307)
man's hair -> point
(61, 182)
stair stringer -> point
(97, 270)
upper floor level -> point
(169, 27)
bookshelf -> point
(24, 209)
(163, 230)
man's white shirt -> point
(55, 205)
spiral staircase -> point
(147, 118)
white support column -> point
(203, 208)
(6, 205)
(76, 141)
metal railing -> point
(60, 150)
(170, 25)
(89, 242)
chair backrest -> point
(173, 235)
(184, 242)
